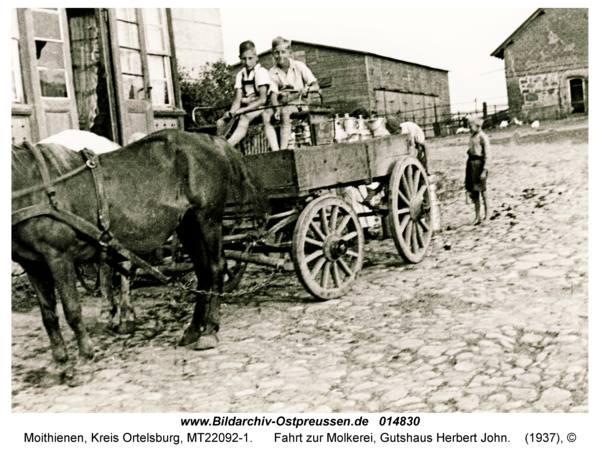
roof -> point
(499, 52)
(355, 52)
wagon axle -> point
(334, 247)
(417, 209)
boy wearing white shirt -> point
(288, 74)
(252, 86)
(416, 139)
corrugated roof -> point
(499, 52)
(355, 52)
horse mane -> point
(17, 157)
(61, 158)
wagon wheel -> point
(88, 275)
(233, 274)
(327, 247)
(409, 205)
(283, 238)
(233, 270)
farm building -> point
(109, 71)
(350, 79)
(546, 64)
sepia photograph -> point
(253, 217)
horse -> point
(167, 182)
(118, 316)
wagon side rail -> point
(298, 172)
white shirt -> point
(250, 82)
(297, 77)
(414, 131)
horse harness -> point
(100, 235)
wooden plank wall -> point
(417, 85)
(351, 79)
(342, 75)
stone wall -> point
(543, 58)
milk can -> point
(434, 211)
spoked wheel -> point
(88, 275)
(409, 205)
(282, 238)
(328, 247)
(233, 270)
(233, 274)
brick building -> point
(546, 64)
(109, 71)
(351, 79)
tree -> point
(213, 87)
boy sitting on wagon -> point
(289, 75)
(252, 86)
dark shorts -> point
(473, 180)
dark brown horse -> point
(167, 182)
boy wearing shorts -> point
(252, 86)
(289, 75)
(476, 172)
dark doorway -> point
(89, 59)
(577, 98)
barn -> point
(352, 79)
(546, 64)
(109, 71)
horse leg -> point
(210, 314)
(62, 269)
(109, 306)
(208, 307)
(205, 252)
(42, 282)
(127, 316)
(187, 232)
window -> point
(49, 46)
(17, 81)
(159, 61)
(130, 53)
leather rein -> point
(99, 235)
(53, 208)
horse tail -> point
(245, 186)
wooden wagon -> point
(313, 221)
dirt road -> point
(493, 320)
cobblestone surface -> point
(493, 320)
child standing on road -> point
(476, 172)
(252, 86)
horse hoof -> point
(86, 352)
(84, 357)
(60, 355)
(206, 342)
(126, 328)
(113, 326)
(71, 378)
(189, 337)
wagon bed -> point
(298, 172)
(318, 226)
